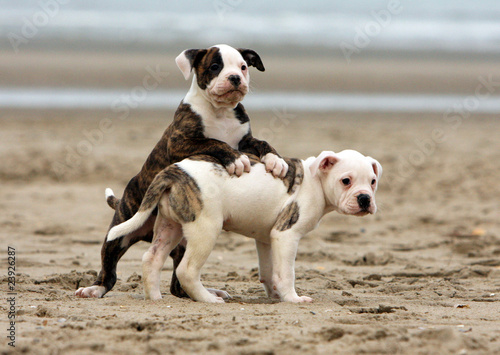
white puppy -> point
(197, 198)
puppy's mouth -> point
(361, 213)
(357, 211)
(231, 95)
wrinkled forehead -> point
(356, 167)
(223, 55)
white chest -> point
(226, 129)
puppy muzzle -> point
(364, 202)
(359, 205)
(229, 93)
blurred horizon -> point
(325, 56)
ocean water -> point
(437, 25)
(75, 98)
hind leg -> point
(167, 235)
(175, 286)
(112, 251)
(201, 236)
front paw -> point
(276, 165)
(298, 299)
(219, 293)
(239, 165)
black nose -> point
(235, 80)
(364, 201)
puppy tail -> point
(160, 184)
(112, 201)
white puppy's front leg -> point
(284, 250)
(266, 268)
(276, 165)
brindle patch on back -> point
(287, 217)
(294, 176)
(184, 195)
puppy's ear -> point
(324, 162)
(377, 168)
(252, 58)
(188, 59)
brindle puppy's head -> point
(221, 72)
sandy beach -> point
(422, 276)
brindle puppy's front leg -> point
(234, 162)
(267, 154)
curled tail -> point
(160, 184)
(112, 201)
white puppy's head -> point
(349, 181)
(221, 72)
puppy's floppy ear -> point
(188, 59)
(252, 58)
(324, 162)
(377, 168)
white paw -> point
(219, 293)
(210, 298)
(90, 292)
(239, 166)
(219, 300)
(275, 165)
(153, 296)
(299, 299)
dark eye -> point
(346, 181)
(214, 67)
(243, 67)
(373, 182)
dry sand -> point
(422, 276)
